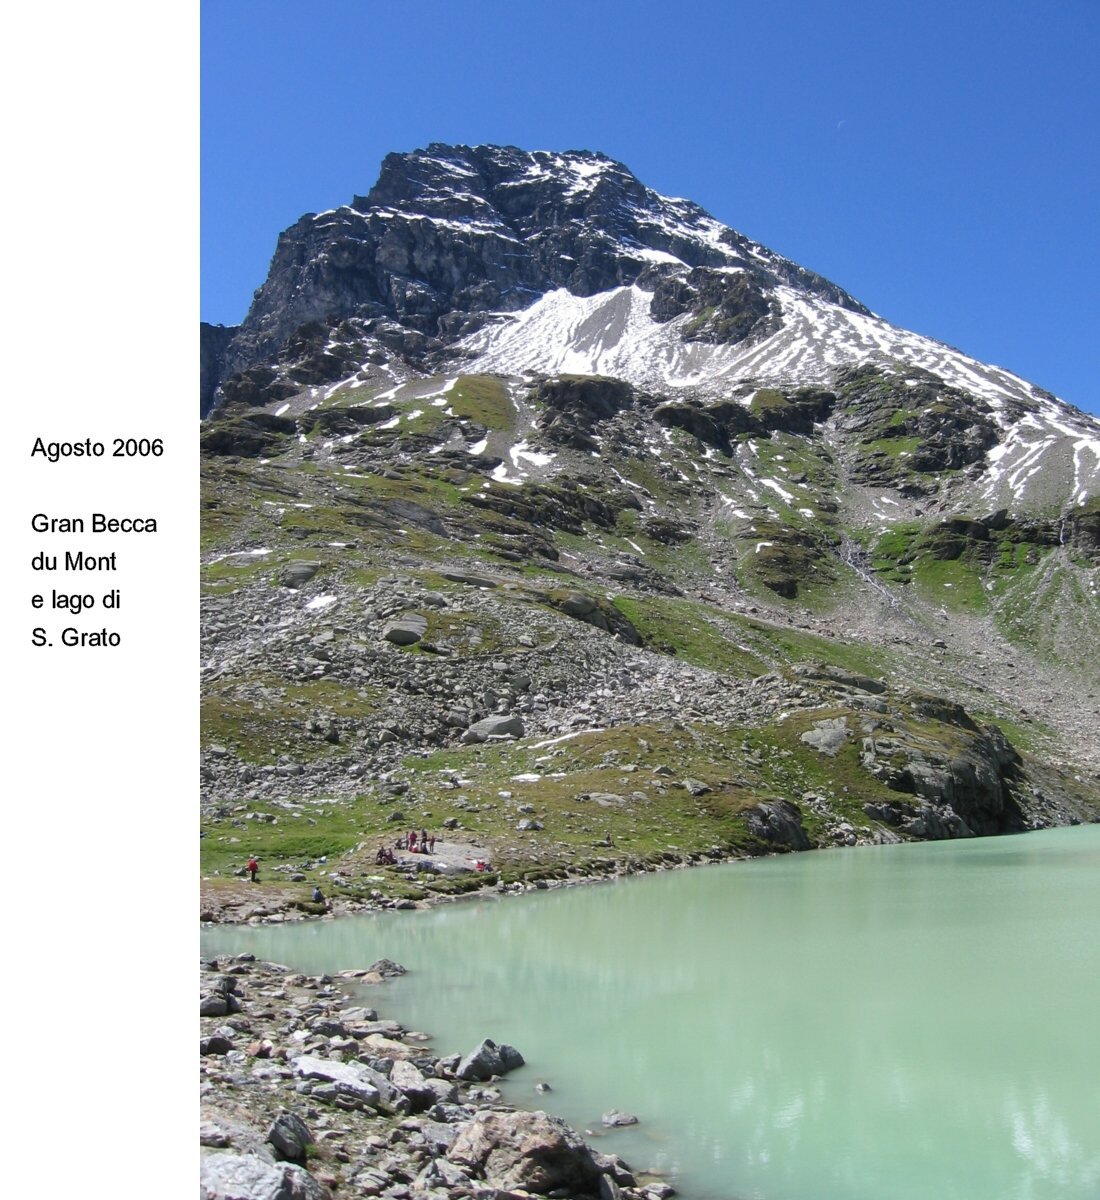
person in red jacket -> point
(253, 869)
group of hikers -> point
(415, 843)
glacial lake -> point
(917, 1022)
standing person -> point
(253, 868)
(412, 841)
(431, 844)
(423, 841)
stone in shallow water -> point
(614, 1119)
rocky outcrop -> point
(339, 422)
(777, 824)
(909, 425)
(246, 436)
(722, 308)
(567, 504)
(1080, 530)
(593, 610)
(965, 777)
(571, 406)
(214, 341)
(765, 412)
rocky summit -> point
(550, 515)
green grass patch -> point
(892, 447)
(483, 399)
(297, 838)
(954, 584)
(698, 634)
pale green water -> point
(899, 1023)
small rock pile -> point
(307, 1098)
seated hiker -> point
(318, 896)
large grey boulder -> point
(499, 726)
(355, 1082)
(526, 1150)
(294, 574)
(409, 1079)
(406, 630)
(827, 736)
(243, 1177)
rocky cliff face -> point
(548, 506)
(214, 341)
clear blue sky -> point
(938, 160)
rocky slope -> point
(549, 509)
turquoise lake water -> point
(916, 1022)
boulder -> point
(406, 630)
(244, 1177)
(356, 1082)
(218, 1004)
(498, 726)
(386, 967)
(528, 1150)
(290, 1136)
(469, 579)
(827, 736)
(294, 574)
(488, 1060)
(217, 1043)
(412, 1083)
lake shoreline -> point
(306, 1093)
(242, 903)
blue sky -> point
(937, 160)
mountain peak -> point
(507, 261)
(449, 236)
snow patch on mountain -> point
(612, 333)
